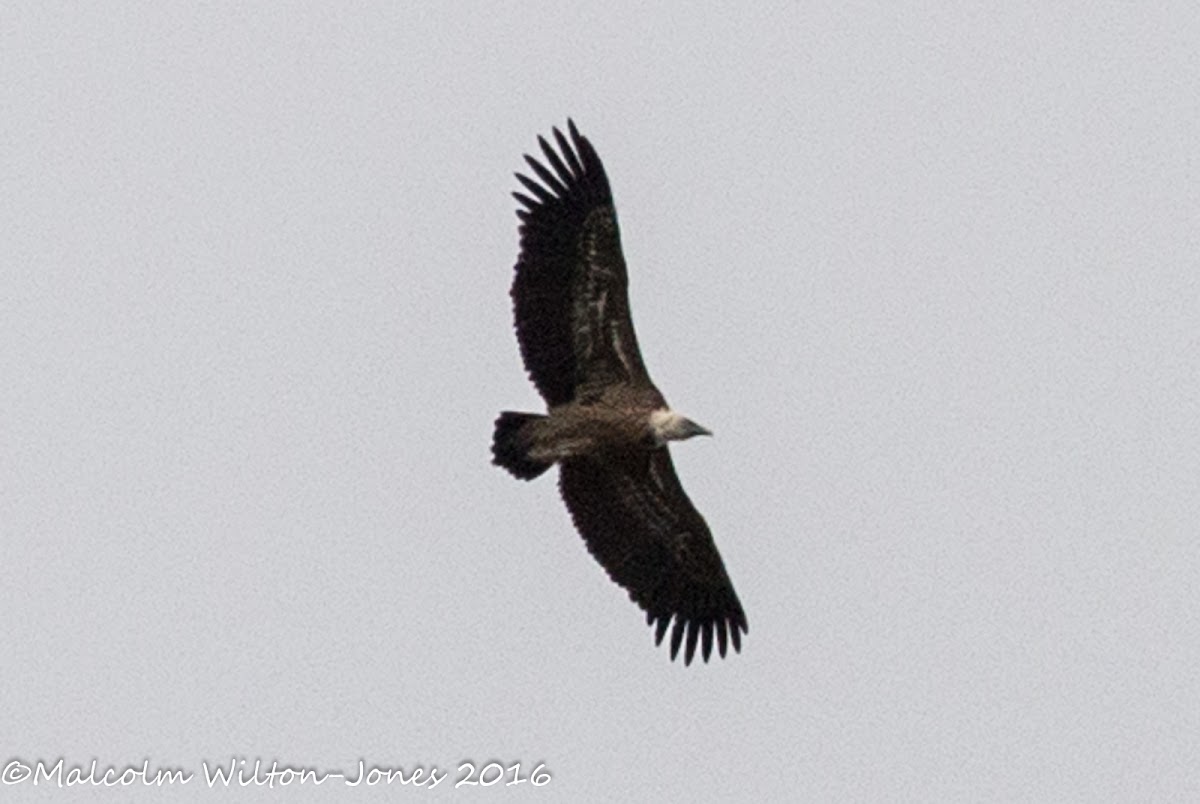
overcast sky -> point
(931, 274)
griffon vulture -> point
(607, 425)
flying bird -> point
(606, 425)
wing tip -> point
(700, 632)
(575, 170)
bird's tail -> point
(510, 446)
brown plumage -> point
(607, 424)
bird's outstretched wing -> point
(640, 525)
(570, 295)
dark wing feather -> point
(570, 296)
(642, 528)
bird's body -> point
(606, 425)
(620, 419)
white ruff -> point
(665, 423)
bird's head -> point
(667, 425)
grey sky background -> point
(929, 271)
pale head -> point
(667, 425)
